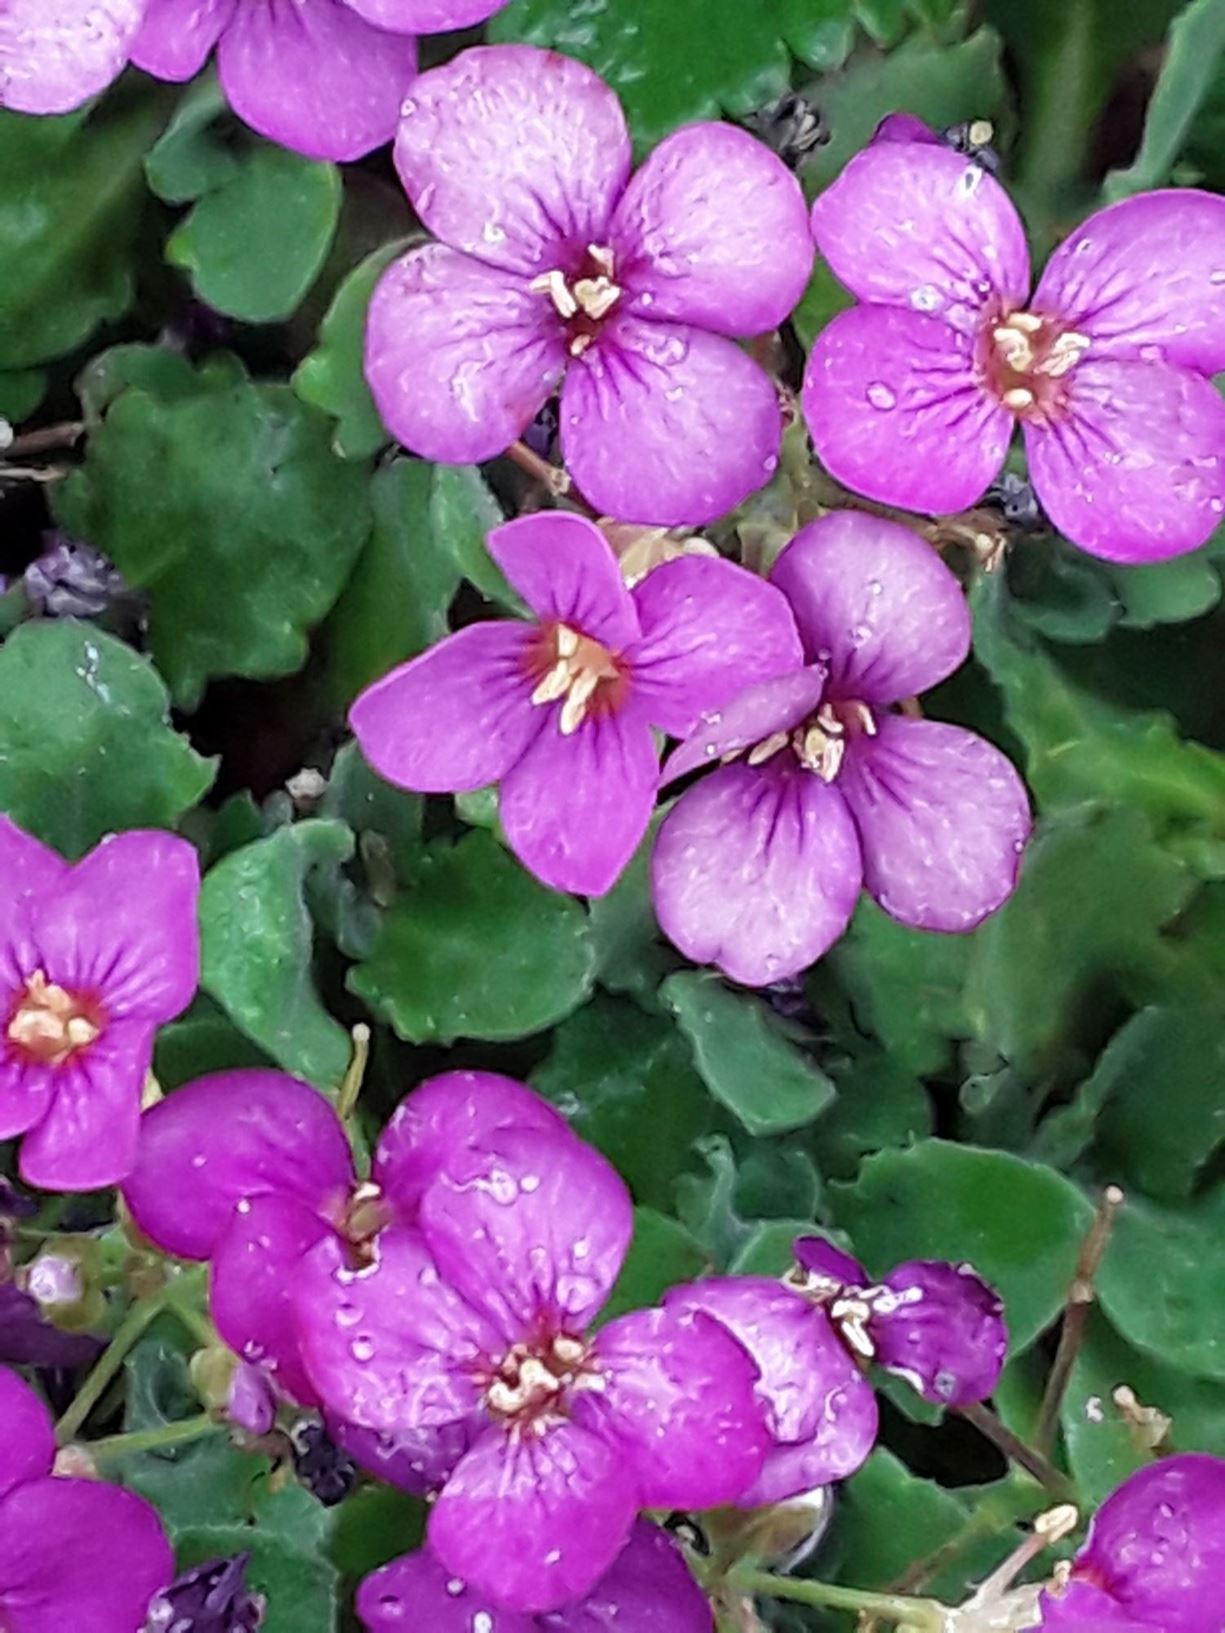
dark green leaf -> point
(632, 956)
(662, 1254)
(462, 512)
(201, 1041)
(1191, 68)
(298, 1584)
(191, 157)
(878, 1105)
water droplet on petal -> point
(880, 396)
(926, 298)
(362, 1348)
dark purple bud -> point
(14, 1204)
(211, 1598)
(323, 1467)
(941, 1328)
(541, 434)
(28, 1339)
(1016, 500)
(71, 579)
(791, 126)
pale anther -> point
(1018, 398)
(553, 283)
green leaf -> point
(743, 1056)
(257, 943)
(164, 373)
(662, 1254)
(767, 1249)
(879, 1104)
(887, 1518)
(476, 948)
(462, 513)
(85, 740)
(21, 391)
(631, 955)
(1020, 1225)
(1189, 71)
(201, 1041)
(191, 158)
(374, 1525)
(299, 1585)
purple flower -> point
(73, 1553)
(555, 265)
(560, 711)
(93, 959)
(913, 395)
(648, 1589)
(56, 54)
(758, 867)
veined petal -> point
(711, 230)
(416, 1460)
(756, 869)
(567, 572)
(177, 36)
(425, 16)
(1145, 279)
(25, 1086)
(915, 225)
(942, 1328)
(943, 819)
(27, 1450)
(896, 413)
(515, 155)
(456, 718)
(752, 717)
(1135, 471)
(820, 1258)
(56, 54)
(420, 1587)
(876, 604)
(667, 425)
(27, 868)
(459, 356)
(647, 1589)
(87, 1139)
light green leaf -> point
(1190, 70)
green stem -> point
(921, 1615)
(152, 1440)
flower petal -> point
(27, 868)
(709, 629)
(757, 870)
(177, 36)
(822, 1261)
(943, 818)
(1136, 470)
(318, 79)
(228, 1136)
(27, 1450)
(56, 54)
(647, 1589)
(567, 572)
(875, 602)
(425, 16)
(534, 1521)
(896, 413)
(538, 1228)
(420, 1589)
(87, 1139)
(916, 225)
(456, 718)
(666, 425)
(416, 1460)
(515, 155)
(25, 1086)
(1145, 279)
(459, 356)
(678, 1403)
(769, 707)
(942, 1328)
(712, 231)
(574, 808)
(1083, 1608)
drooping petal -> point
(56, 54)
(417, 1460)
(678, 1402)
(538, 1228)
(712, 231)
(666, 425)
(896, 413)
(756, 714)
(27, 1448)
(574, 808)
(567, 572)
(1135, 471)
(876, 604)
(515, 155)
(316, 78)
(459, 356)
(1145, 279)
(916, 225)
(87, 1139)
(757, 870)
(822, 1261)
(227, 1136)
(943, 819)
(709, 629)
(941, 1327)
(425, 16)
(647, 1589)
(79, 1554)
(534, 1521)
(458, 717)
(419, 1589)
(177, 35)
(390, 1346)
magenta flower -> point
(93, 959)
(648, 1589)
(555, 265)
(73, 1553)
(758, 867)
(56, 54)
(913, 395)
(560, 711)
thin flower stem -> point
(921, 1615)
(1018, 1500)
(1014, 1448)
(152, 1440)
(46, 438)
(351, 1088)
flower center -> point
(850, 1309)
(583, 299)
(365, 1213)
(819, 743)
(50, 1025)
(1025, 359)
(528, 1390)
(577, 669)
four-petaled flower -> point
(554, 264)
(758, 867)
(912, 396)
(560, 711)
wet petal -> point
(820, 1258)
(458, 717)
(709, 629)
(756, 714)
(1081, 1608)
(419, 1589)
(1136, 470)
(666, 425)
(177, 35)
(27, 1449)
(941, 1327)
(87, 1139)
(25, 1087)
(459, 356)
(56, 54)
(1145, 279)
(943, 818)
(27, 868)
(574, 808)
(318, 79)
(648, 1589)
(757, 870)
(875, 602)
(228, 1136)
(712, 231)
(415, 1460)
(534, 1520)
(913, 224)
(895, 411)
(425, 16)
(567, 572)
